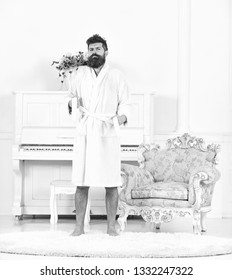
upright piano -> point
(43, 148)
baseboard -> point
(214, 215)
(226, 216)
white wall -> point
(210, 87)
(187, 65)
(210, 76)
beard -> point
(96, 61)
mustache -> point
(94, 55)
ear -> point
(106, 53)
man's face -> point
(97, 55)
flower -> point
(70, 62)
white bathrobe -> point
(96, 160)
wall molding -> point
(207, 136)
(230, 62)
(222, 136)
(183, 68)
(6, 135)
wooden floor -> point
(216, 227)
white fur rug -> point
(127, 244)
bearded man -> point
(101, 104)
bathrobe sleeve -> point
(73, 95)
(124, 106)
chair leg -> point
(87, 213)
(87, 216)
(203, 221)
(157, 225)
(122, 220)
(53, 211)
(196, 222)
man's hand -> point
(70, 105)
(122, 119)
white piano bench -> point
(63, 187)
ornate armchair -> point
(175, 181)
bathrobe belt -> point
(108, 118)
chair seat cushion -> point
(162, 190)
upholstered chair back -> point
(176, 163)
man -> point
(102, 105)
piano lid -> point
(42, 118)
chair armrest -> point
(206, 174)
(133, 177)
(201, 185)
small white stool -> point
(63, 187)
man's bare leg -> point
(81, 200)
(111, 209)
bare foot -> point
(79, 230)
(112, 231)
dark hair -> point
(97, 39)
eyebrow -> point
(98, 47)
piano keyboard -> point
(65, 148)
(61, 152)
(46, 148)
